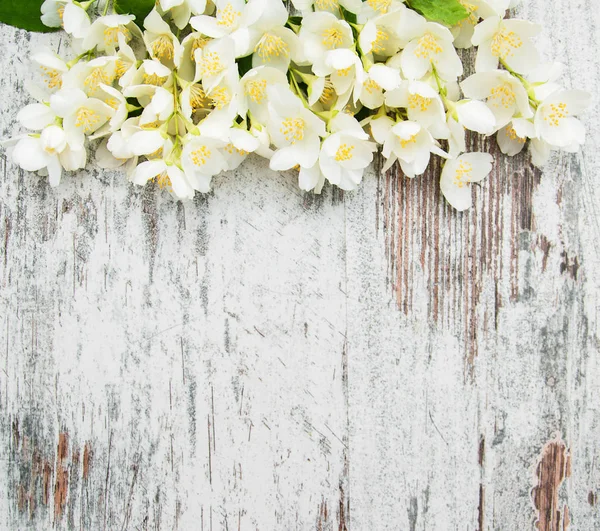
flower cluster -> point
(201, 84)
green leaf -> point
(24, 14)
(140, 8)
(449, 12)
(244, 64)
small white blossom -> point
(346, 152)
(459, 173)
(294, 129)
(508, 41)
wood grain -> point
(265, 359)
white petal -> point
(36, 116)
(147, 170)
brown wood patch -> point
(554, 466)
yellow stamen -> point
(257, 90)
(555, 114)
(328, 93)
(198, 44)
(53, 78)
(344, 152)
(163, 48)
(462, 175)
(111, 35)
(230, 148)
(293, 129)
(96, 77)
(371, 86)
(198, 99)
(332, 38)
(227, 16)
(502, 96)
(200, 156)
(155, 79)
(411, 140)
(505, 43)
(220, 97)
(271, 45)
(326, 5)
(379, 42)
(164, 181)
(211, 64)
(426, 46)
(416, 101)
(512, 134)
(87, 119)
(121, 67)
(380, 5)
(113, 102)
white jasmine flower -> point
(508, 41)
(160, 107)
(346, 152)
(214, 61)
(105, 31)
(475, 116)
(187, 69)
(348, 83)
(126, 63)
(224, 99)
(161, 42)
(505, 95)
(459, 173)
(433, 48)
(231, 20)
(513, 136)
(274, 45)
(88, 76)
(373, 8)
(477, 9)
(311, 179)
(66, 14)
(50, 152)
(412, 145)
(379, 78)
(321, 34)
(81, 115)
(240, 143)
(555, 121)
(133, 141)
(387, 33)
(52, 66)
(294, 129)
(182, 10)
(53, 12)
(381, 128)
(75, 20)
(423, 105)
(151, 72)
(252, 94)
(202, 158)
(116, 100)
(168, 176)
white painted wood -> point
(265, 359)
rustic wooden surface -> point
(265, 359)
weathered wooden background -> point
(265, 359)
